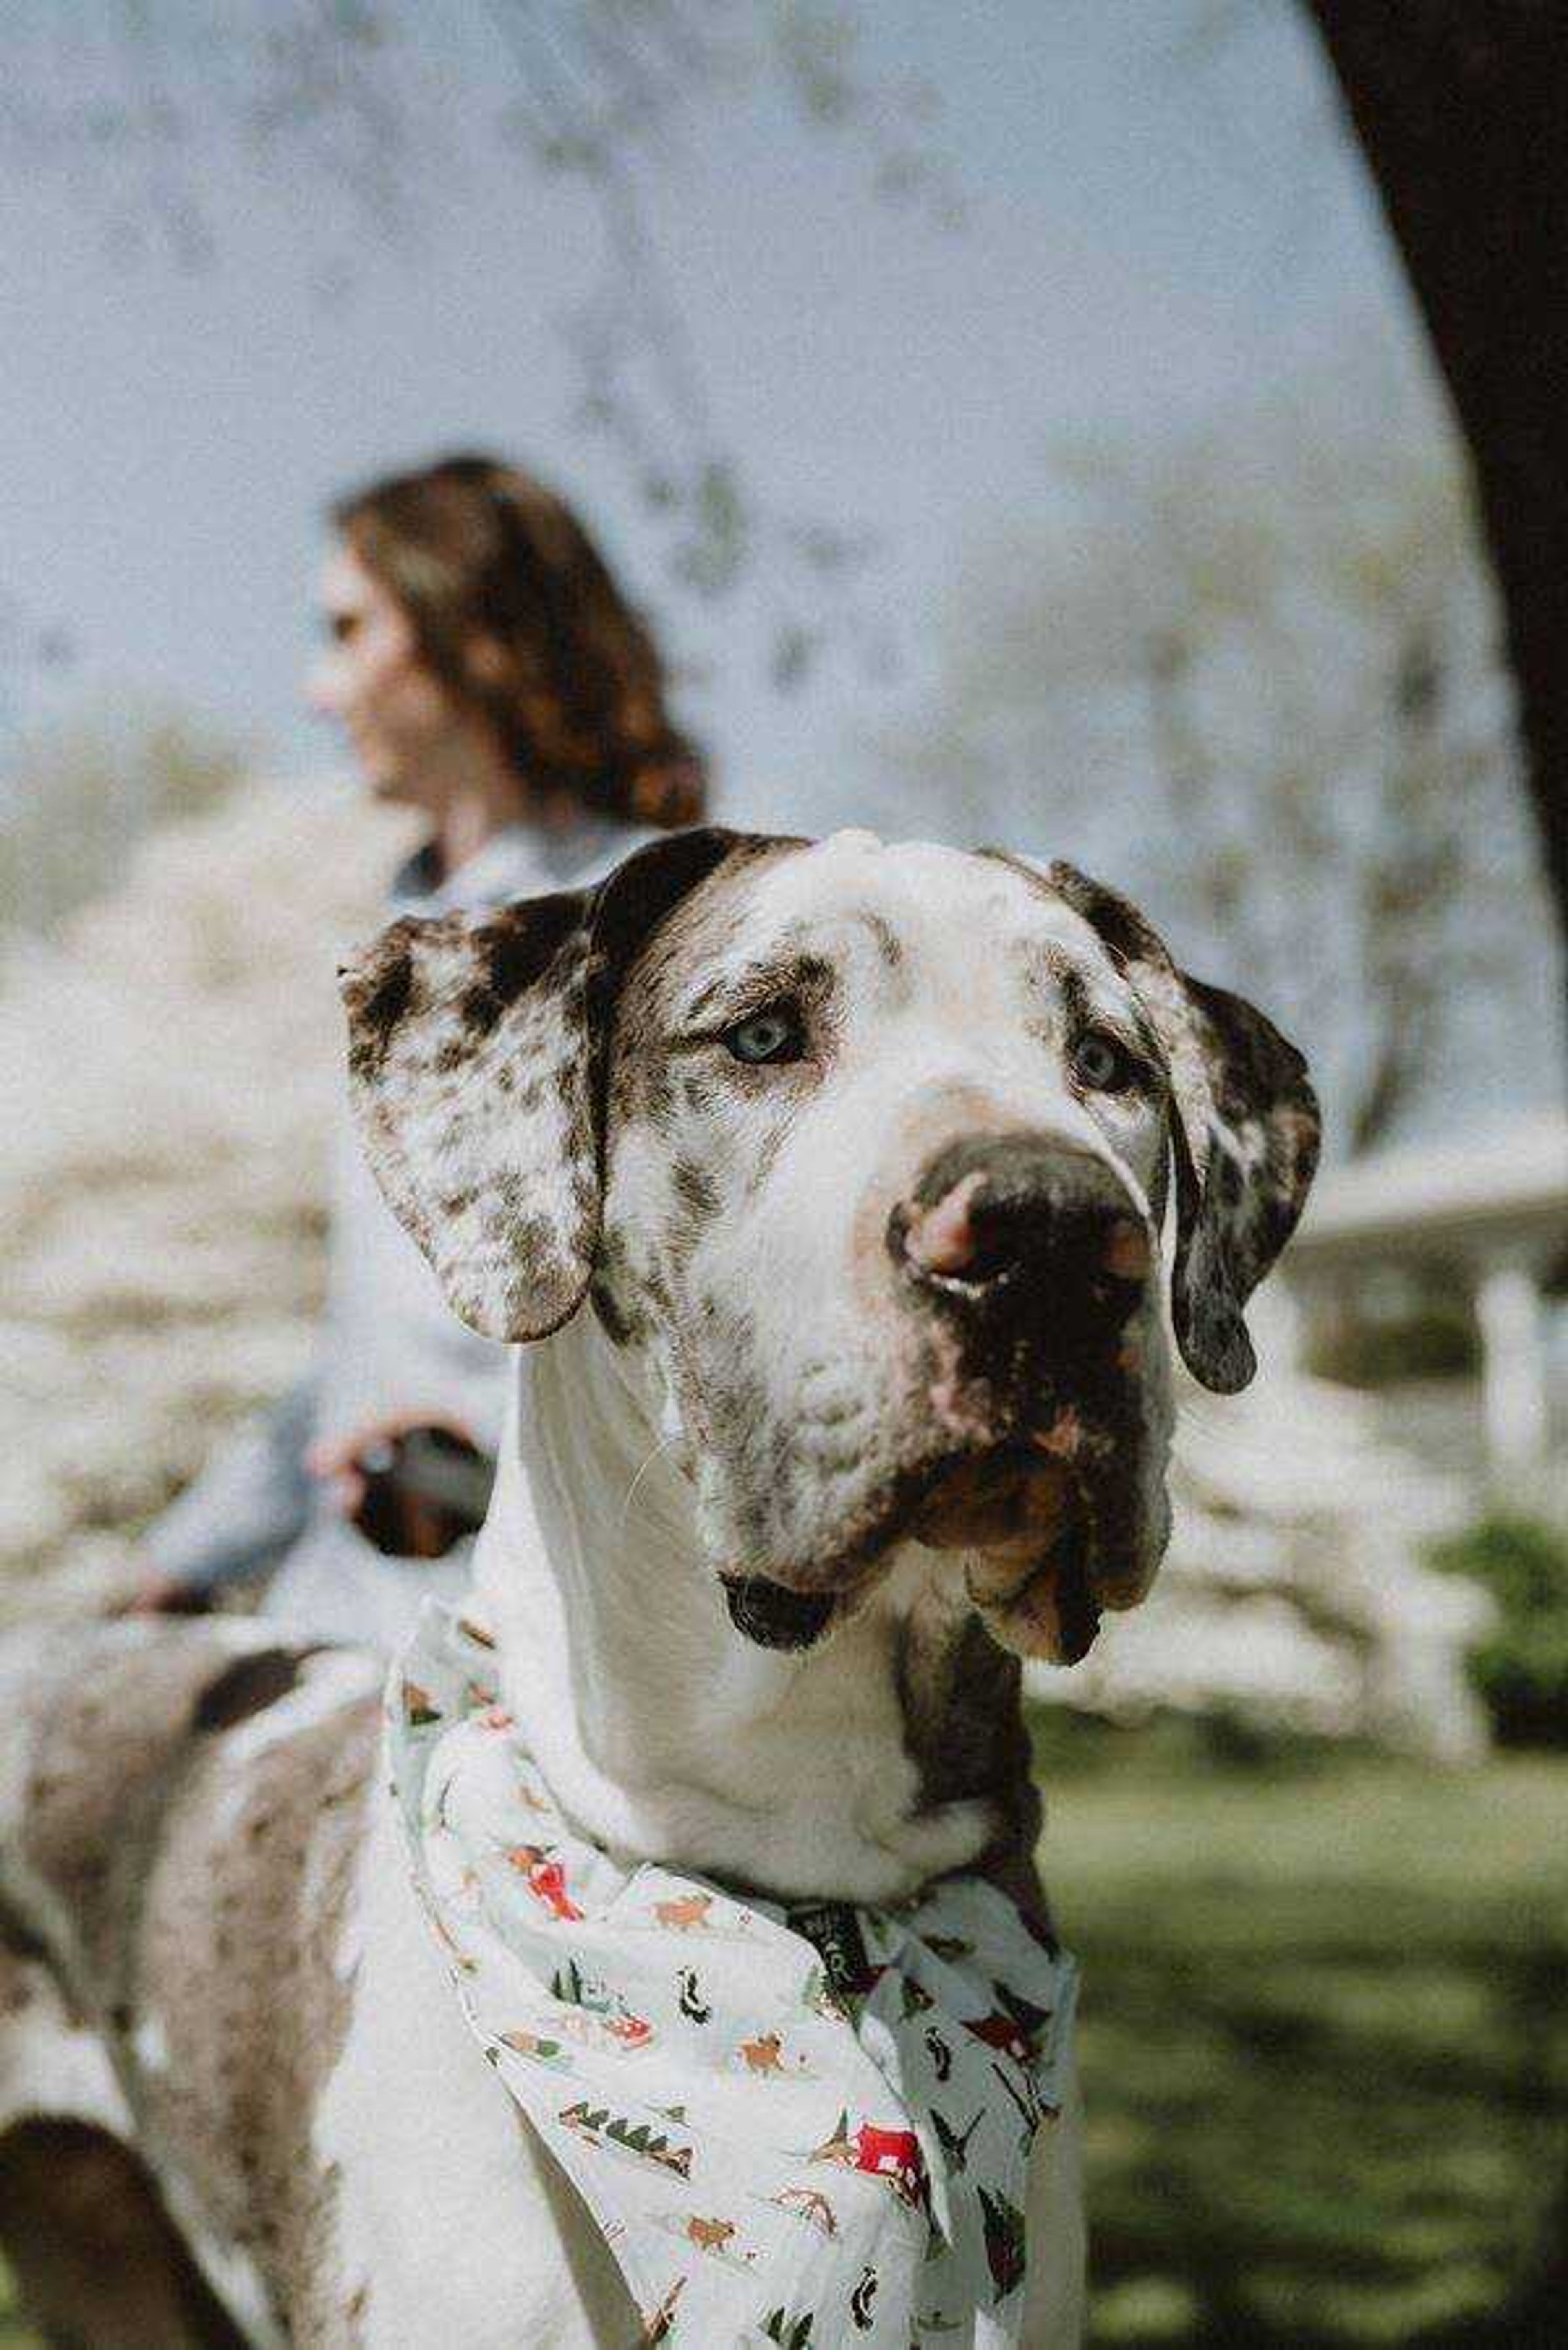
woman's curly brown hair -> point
(517, 613)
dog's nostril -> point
(1006, 1226)
(943, 1237)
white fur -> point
(51, 2065)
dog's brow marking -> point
(889, 946)
(705, 998)
(1085, 1008)
(738, 992)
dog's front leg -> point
(451, 2224)
(1054, 2311)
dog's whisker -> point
(663, 1445)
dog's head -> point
(862, 1153)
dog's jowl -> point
(845, 1193)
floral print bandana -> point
(797, 2124)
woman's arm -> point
(240, 1513)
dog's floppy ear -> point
(1244, 1133)
(474, 1043)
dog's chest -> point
(828, 1767)
(433, 2161)
(853, 1771)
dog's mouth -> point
(1021, 1517)
(1014, 1497)
(1019, 1514)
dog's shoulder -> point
(183, 1817)
(182, 1811)
(114, 1738)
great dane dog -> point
(831, 1183)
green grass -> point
(1324, 2038)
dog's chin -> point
(773, 1617)
(1038, 1602)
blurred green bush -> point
(1520, 1667)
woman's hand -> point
(154, 1593)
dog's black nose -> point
(991, 1212)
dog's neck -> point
(888, 1754)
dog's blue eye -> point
(1101, 1063)
(770, 1036)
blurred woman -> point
(488, 672)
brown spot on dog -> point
(515, 950)
(382, 1006)
(965, 1736)
(889, 946)
(249, 1686)
(767, 1151)
(695, 1190)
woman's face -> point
(402, 723)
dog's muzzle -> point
(1034, 1258)
(1022, 1260)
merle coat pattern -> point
(838, 1173)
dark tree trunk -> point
(1461, 108)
